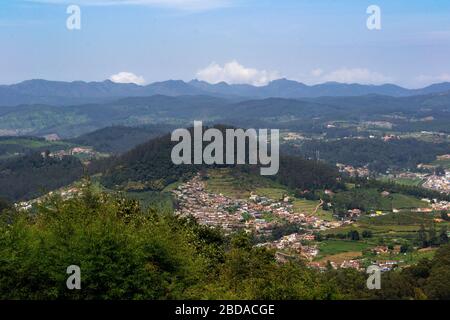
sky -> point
(237, 41)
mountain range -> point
(80, 92)
(413, 113)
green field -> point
(415, 182)
(372, 199)
(398, 219)
(172, 186)
(308, 207)
(444, 163)
(394, 226)
(160, 200)
(272, 193)
(403, 181)
(331, 247)
(401, 201)
(239, 185)
(380, 231)
(14, 146)
(409, 257)
(29, 143)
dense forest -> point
(119, 139)
(377, 154)
(308, 114)
(149, 166)
(33, 175)
(146, 167)
(126, 253)
(300, 174)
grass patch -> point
(443, 163)
(172, 186)
(340, 257)
(308, 207)
(272, 193)
(333, 247)
(159, 200)
(414, 182)
(411, 257)
(12, 146)
(397, 219)
(401, 201)
(239, 185)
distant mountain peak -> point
(40, 91)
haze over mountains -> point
(80, 92)
(425, 112)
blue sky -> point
(238, 41)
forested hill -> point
(33, 175)
(378, 155)
(416, 113)
(149, 166)
(119, 139)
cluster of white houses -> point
(353, 171)
(438, 183)
(64, 193)
(295, 244)
(257, 213)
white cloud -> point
(356, 75)
(193, 5)
(234, 73)
(127, 77)
(427, 79)
(350, 75)
(316, 72)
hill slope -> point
(149, 167)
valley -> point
(210, 158)
(356, 186)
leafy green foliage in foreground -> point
(125, 253)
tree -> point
(405, 248)
(422, 237)
(443, 236)
(432, 237)
(437, 285)
(353, 235)
(121, 255)
(367, 234)
(4, 204)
